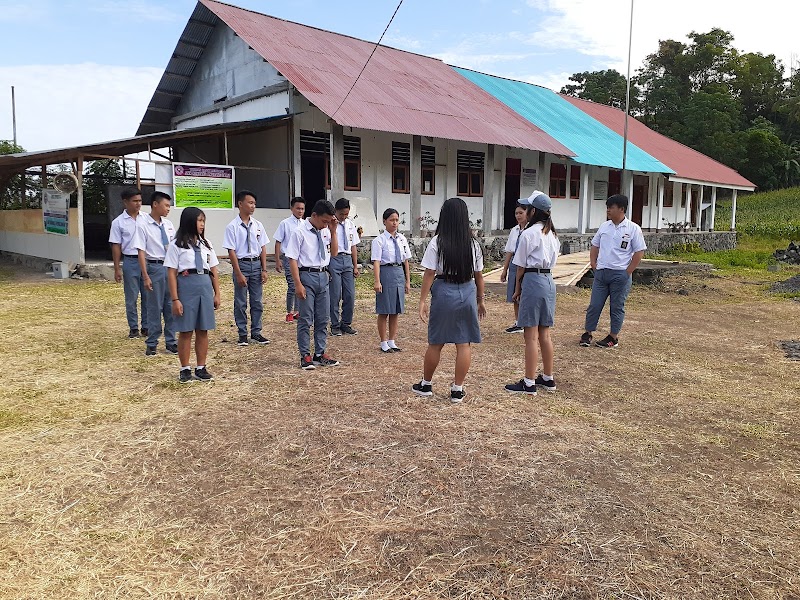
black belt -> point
(393, 265)
(314, 269)
(251, 259)
(344, 253)
(131, 255)
(155, 261)
(537, 270)
(195, 272)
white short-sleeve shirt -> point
(513, 236)
(347, 236)
(148, 236)
(618, 243)
(303, 246)
(430, 259)
(123, 232)
(383, 248)
(236, 234)
(286, 228)
(182, 259)
(537, 250)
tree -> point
(12, 194)
(604, 87)
(761, 155)
(758, 83)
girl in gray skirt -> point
(535, 291)
(194, 288)
(453, 265)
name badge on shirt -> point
(626, 240)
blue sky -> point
(84, 70)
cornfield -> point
(773, 215)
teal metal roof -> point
(591, 141)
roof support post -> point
(488, 189)
(415, 179)
(337, 161)
(661, 182)
(81, 232)
(699, 211)
(713, 208)
(733, 210)
(687, 214)
(592, 173)
(583, 198)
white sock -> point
(456, 388)
(186, 368)
(424, 382)
(547, 377)
(529, 382)
(391, 344)
(384, 345)
(201, 366)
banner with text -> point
(203, 186)
(55, 212)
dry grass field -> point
(666, 468)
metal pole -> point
(627, 95)
(14, 114)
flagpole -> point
(14, 114)
(627, 95)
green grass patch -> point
(772, 215)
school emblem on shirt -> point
(626, 240)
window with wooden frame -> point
(318, 143)
(401, 165)
(428, 169)
(470, 173)
(683, 195)
(352, 163)
(614, 182)
(574, 181)
(558, 180)
(669, 190)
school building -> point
(277, 101)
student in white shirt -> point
(194, 289)
(453, 263)
(535, 291)
(285, 230)
(122, 236)
(390, 254)
(309, 251)
(344, 270)
(154, 234)
(509, 268)
(617, 249)
(246, 242)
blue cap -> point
(538, 200)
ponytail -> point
(536, 215)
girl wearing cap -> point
(535, 291)
(509, 268)
(453, 265)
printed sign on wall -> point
(55, 212)
(203, 186)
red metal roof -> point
(686, 162)
(399, 92)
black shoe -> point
(586, 339)
(242, 341)
(550, 386)
(203, 375)
(259, 339)
(145, 332)
(608, 342)
(323, 360)
(185, 376)
(150, 351)
(134, 333)
(172, 348)
(456, 396)
(521, 388)
(515, 329)
(306, 363)
(422, 390)
(336, 332)
(395, 349)
(346, 329)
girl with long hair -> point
(194, 288)
(535, 291)
(509, 268)
(453, 263)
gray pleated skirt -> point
(197, 296)
(392, 300)
(512, 282)
(454, 314)
(537, 303)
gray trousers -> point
(133, 287)
(255, 289)
(291, 299)
(314, 309)
(608, 283)
(159, 303)
(343, 289)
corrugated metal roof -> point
(684, 161)
(399, 92)
(592, 142)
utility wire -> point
(368, 59)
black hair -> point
(130, 192)
(242, 194)
(323, 207)
(187, 229)
(537, 215)
(389, 212)
(157, 197)
(342, 203)
(618, 200)
(456, 242)
(295, 200)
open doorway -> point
(312, 179)
(512, 191)
(641, 185)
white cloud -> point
(135, 10)
(66, 105)
(14, 11)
